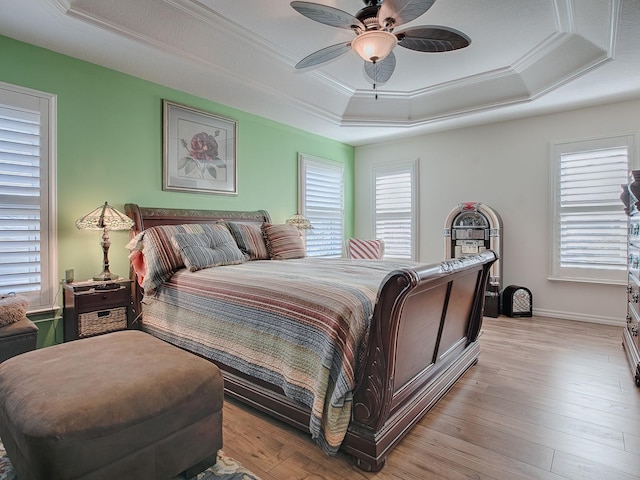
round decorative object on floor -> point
(517, 301)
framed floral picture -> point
(199, 151)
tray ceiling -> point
(526, 57)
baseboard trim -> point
(580, 317)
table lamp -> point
(299, 221)
(105, 218)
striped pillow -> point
(284, 242)
(365, 249)
(209, 249)
(160, 258)
(250, 240)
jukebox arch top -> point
(471, 228)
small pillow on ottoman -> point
(13, 308)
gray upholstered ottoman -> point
(119, 406)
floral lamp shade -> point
(299, 221)
(105, 218)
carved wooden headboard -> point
(147, 217)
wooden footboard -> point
(423, 338)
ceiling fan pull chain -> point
(375, 78)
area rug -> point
(225, 469)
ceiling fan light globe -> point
(374, 45)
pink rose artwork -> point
(203, 160)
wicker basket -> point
(102, 321)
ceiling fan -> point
(375, 39)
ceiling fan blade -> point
(328, 15)
(429, 38)
(396, 12)
(324, 55)
(380, 72)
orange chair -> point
(365, 249)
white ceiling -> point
(526, 57)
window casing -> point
(395, 209)
(28, 263)
(589, 224)
(321, 187)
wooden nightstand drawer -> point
(101, 299)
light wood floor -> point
(548, 399)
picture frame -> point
(199, 151)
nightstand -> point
(94, 308)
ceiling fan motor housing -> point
(369, 16)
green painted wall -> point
(110, 149)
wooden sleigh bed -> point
(422, 337)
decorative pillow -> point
(13, 308)
(136, 259)
(250, 240)
(284, 242)
(160, 257)
(210, 249)
(365, 249)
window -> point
(27, 207)
(322, 202)
(590, 225)
(395, 209)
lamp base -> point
(106, 275)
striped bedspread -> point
(299, 324)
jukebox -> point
(472, 228)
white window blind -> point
(27, 265)
(395, 211)
(591, 223)
(322, 202)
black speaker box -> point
(517, 301)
